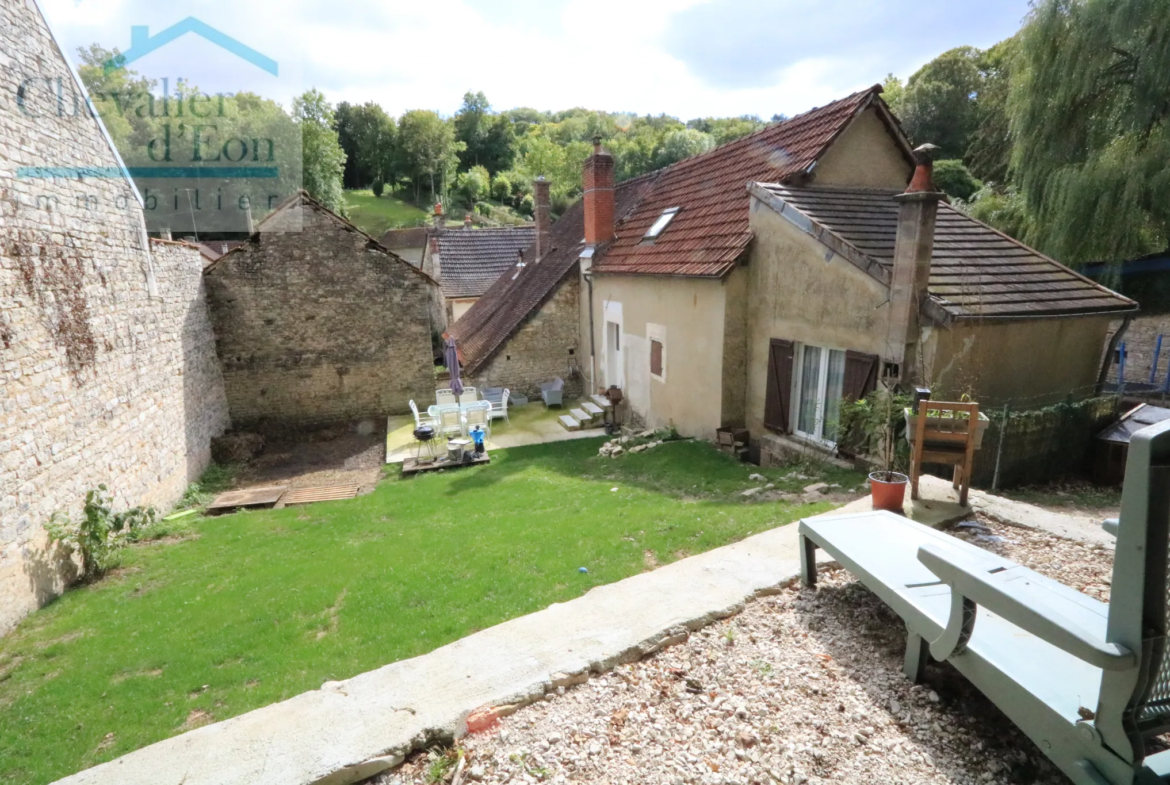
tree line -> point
(480, 153)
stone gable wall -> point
(315, 327)
(107, 365)
(540, 350)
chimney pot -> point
(923, 180)
(467, 220)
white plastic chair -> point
(469, 394)
(450, 420)
(420, 420)
(479, 414)
(500, 408)
(444, 395)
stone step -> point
(582, 416)
(592, 409)
(569, 423)
(600, 401)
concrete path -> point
(353, 729)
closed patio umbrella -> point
(451, 360)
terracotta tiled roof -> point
(710, 230)
(470, 260)
(509, 302)
(976, 272)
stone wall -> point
(107, 366)
(1140, 340)
(320, 325)
(544, 347)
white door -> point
(613, 354)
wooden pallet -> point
(324, 493)
(412, 466)
(250, 497)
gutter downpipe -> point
(1107, 363)
(592, 344)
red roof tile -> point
(711, 229)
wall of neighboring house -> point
(685, 315)
(1035, 362)
(107, 357)
(457, 306)
(316, 327)
(795, 295)
(546, 346)
(864, 156)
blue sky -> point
(683, 57)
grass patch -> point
(375, 215)
(264, 605)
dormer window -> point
(659, 226)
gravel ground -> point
(801, 687)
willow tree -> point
(1088, 109)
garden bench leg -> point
(917, 650)
(808, 562)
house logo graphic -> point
(143, 43)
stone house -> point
(526, 329)
(758, 284)
(316, 322)
(108, 372)
(466, 262)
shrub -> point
(501, 188)
(483, 208)
(379, 187)
(102, 534)
(527, 206)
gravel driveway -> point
(801, 687)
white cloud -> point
(603, 54)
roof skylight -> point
(660, 225)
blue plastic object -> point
(582, 569)
(477, 435)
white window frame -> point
(660, 224)
(822, 385)
(656, 332)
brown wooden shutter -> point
(860, 375)
(655, 358)
(778, 395)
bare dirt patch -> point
(329, 456)
(196, 719)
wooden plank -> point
(412, 466)
(320, 494)
(249, 497)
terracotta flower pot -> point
(888, 490)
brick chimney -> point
(543, 221)
(598, 183)
(438, 216)
(913, 247)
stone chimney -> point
(438, 216)
(164, 234)
(467, 220)
(248, 219)
(598, 183)
(913, 247)
(543, 221)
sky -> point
(688, 58)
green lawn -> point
(375, 215)
(260, 606)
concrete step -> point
(592, 409)
(569, 423)
(580, 414)
(600, 401)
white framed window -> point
(817, 387)
(656, 335)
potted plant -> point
(946, 421)
(872, 424)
